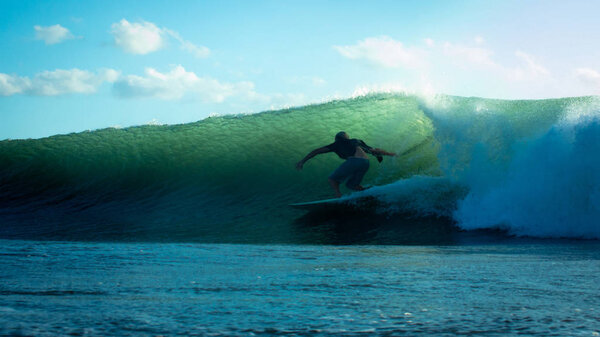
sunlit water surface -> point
(132, 289)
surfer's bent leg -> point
(360, 166)
(339, 175)
(336, 187)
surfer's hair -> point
(340, 135)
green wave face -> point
(236, 174)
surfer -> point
(354, 151)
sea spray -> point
(551, 188)
(417, 196)
(530, 166)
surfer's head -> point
(341, 135)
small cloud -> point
(479, 39)
(197, 51)
(532, 69)
(109, 75)
(429, 42)
(317, 81)
(383, 51)
(12, 85)
(177, 83)
(137, 38)
(57, 82)
(52, 34)
(587, 76)
(145, 37)
(482, 57)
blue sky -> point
(69, 66)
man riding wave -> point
(354, 151)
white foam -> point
(419, 195)
(545, 186)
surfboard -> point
(354, 203)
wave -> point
(230, 178)
(550, 187)
(529, 166)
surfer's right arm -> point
(313, 153)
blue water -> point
(520, 287)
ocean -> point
(525, 288)
(486, 223)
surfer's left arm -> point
(313, 153)
(382, 152)
(374, 151)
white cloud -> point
(383, 51)
(317, 81)
(57, 82)
(137, 38)
(169, 85)
(197, 51)
(589, 77)
(52, 34)
(529, 70)
(11, 85)
(454, 68)
(532, 70)
(145, 37)
(177, 83)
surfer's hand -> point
(299, 165)
(384, 152)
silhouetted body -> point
(354, 151)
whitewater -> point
(524, 167)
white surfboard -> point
(356, 203)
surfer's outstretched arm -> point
(383, 152)
(313, 153)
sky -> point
(71, 66)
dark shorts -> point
(353, 169)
